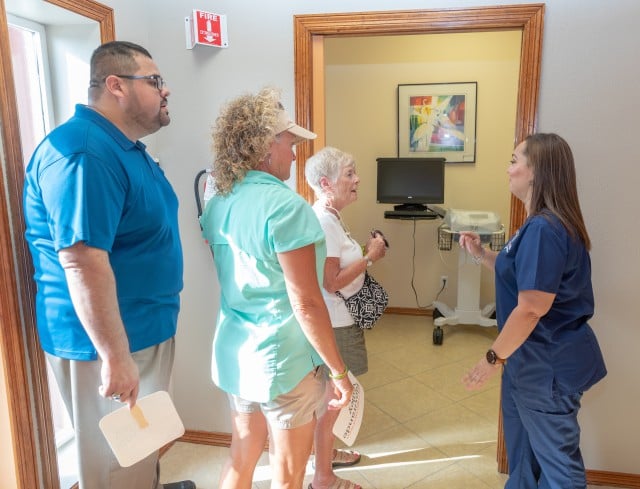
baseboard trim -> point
(614, 479)
(206, 438)
(409, 311)
(595, 477)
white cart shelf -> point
(467, 311)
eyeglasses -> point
(160, 83)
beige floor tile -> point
(394, 331)
(467, 340)
(452, 477)
(455, 430)
(397, 458)
(406, 399)
(380, 373)
(446, 381)
(374, 421)
(484, 466)
(417, 357)
(486, 403)
(200, 463)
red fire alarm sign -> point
(206, 28)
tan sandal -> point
(339, 483)
(341, 458)
(345, 458)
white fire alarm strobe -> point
(206, 28)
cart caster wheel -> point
(437, 314)
(438, 335)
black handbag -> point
(367, 305)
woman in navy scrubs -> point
(544, 299)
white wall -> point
(588, 94)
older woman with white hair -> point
(332, 175)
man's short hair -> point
(115, 58)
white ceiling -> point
(43, 12)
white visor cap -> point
(286, 124)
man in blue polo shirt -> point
(102, 228)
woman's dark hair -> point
(554, 187)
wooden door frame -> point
(32, 429)
(310, 31)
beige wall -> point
(361, 79)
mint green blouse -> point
(259, 349)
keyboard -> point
(411, 214)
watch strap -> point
(494, 359)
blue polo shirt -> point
(259, 349)
(88, 182)
(562, 354)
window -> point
(28, 57)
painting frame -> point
(438, 120)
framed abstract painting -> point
(438, 120)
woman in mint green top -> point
(257, 326)
(273, 328)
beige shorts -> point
(292, 409)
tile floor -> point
(421, 428)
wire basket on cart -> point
(491, 232)
(485, 224)
(446, 237)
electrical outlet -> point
(443, 281)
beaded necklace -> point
(336, 213)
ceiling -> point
(44, 13)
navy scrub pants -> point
(542, 438)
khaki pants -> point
(78, 382)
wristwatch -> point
(368, 260)
(494, 359)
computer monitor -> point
(410, 183)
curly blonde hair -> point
(242, 136)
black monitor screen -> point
(410, 182)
